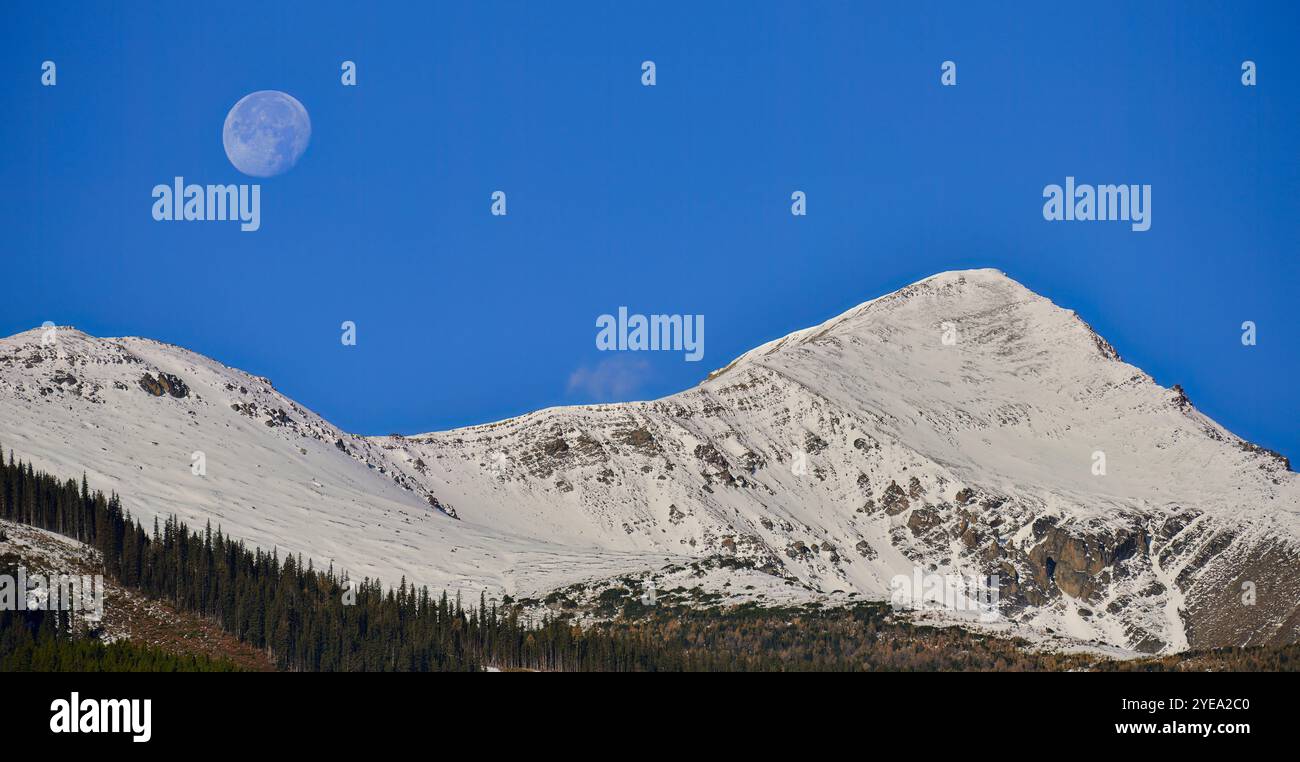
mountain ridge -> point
(976, 455)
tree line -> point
(298, 614)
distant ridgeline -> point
(299, 616)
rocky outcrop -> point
(165, 383)
(1081, 564)
(923, 520)
(894, 500)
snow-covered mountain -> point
(134, 414)
(955, 426)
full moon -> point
(266, 133)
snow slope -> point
(970, 457)
(277, 475)
(837, 458)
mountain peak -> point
(982, 288)
(974, 273)
(35, 334)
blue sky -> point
(667, 199)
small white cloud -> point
(613, 379)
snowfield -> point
(828, 461)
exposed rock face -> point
(165, 383)
(1078, 564)
(893, 500)
(923, 520)
(1254, 603)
